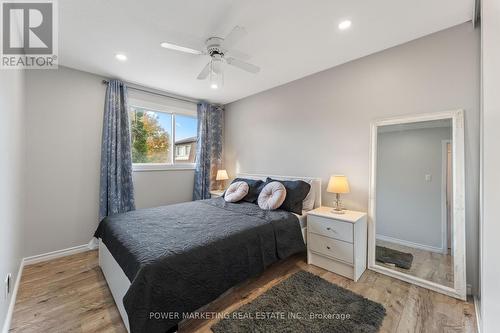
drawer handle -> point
(330, 229)
(328, 247)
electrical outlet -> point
(8, 285)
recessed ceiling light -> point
(121, 57)
(346, 24)
(214, 86)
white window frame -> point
(173, 111)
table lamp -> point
(221, 176)
(338, 184)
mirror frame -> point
(459, 290)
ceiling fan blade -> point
(236, 54)
(234, 36)
(243, 65)
(180, 48)
(204, 72)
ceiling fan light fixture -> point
(216, 74)
(219, 50)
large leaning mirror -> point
(417, 221)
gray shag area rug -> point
(305, 303)
(394, 257)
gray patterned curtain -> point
(208, 148)
(117, 189)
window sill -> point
(162, 167)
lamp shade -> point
(338, 184)
(221, 175)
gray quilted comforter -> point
(181, 257)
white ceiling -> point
(288, 39)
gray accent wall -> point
(12, 93)
(320, 125)
(64, 125)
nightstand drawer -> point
(330, 228)
(333, 265)
(331, 247)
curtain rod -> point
(150, 91)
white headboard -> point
(315, 183)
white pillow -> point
(308, 203)
(272, 196)
(236, 191)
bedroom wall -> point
(64, 124)
(320, 125)
(12, 92)
(409, 206)
(158, 188)
(490, 228)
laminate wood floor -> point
(431, 266)
(70, 294)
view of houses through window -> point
(162, 138)
(186, 136)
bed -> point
(163, 262)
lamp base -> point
(338, 205)
(338, 211)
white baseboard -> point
(33, 260)
(411, 244)
(10, 309)
(478, 315)
(55, 254)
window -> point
(162, 140)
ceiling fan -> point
(219, 50)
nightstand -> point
(216, 193)
(337, 242)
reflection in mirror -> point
(414, 188)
